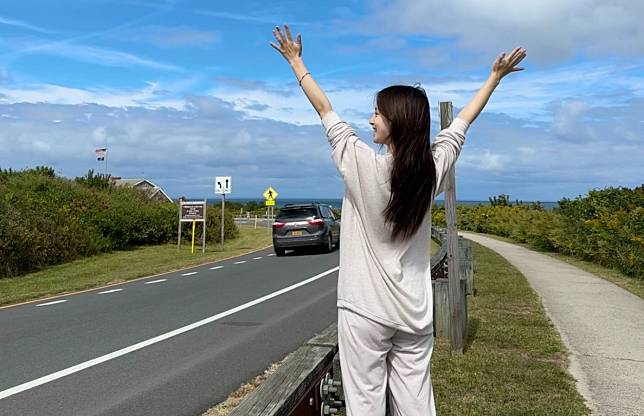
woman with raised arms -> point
(385, 331)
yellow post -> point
(194, 222)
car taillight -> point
(316, 222)
(278, 224)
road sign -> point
(193, 211)
(270, 194)
(223, 184)
(270, 202)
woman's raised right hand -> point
(289, 48)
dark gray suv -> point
(305, 225)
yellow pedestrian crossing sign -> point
(270, 194)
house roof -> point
(133, 182)
(130, 181)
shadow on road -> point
(307, 251)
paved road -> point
(180, 373)
(600, 324)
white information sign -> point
(223, 184)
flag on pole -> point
(100, 154)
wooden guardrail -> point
(440, 283)
(466, 265)
(293, 389)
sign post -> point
(223, 186)
(270, 195)
(193, 211)
(194, 224)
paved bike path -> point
(600, 323)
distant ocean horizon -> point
(337, 202)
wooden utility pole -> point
(457, 314)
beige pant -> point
(374, 356)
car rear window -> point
(292, 213)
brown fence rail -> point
(293, 389)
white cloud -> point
(151, 96)
(550, 29)
(568, 123)
(168, 36)
(288, 104)
(530, 95)
(173, 147)
(256, 132)
(23, 25)
(102, 56)
(237, 16)
(484, 161)
(41, 146)
(90, 54)
(99, 135)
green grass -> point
(515, 362)
(629, 283)
(434, 247)
(120, 266)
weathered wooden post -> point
(457, 314)
(466, 264)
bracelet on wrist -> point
(300, 80)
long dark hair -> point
(413, 173)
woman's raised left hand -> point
(506, 64)
(289, 48)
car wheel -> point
(328, 248)
(279, 251)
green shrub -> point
(606, 226)
(46, 220)
(92, 180)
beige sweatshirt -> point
(384, 280)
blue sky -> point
(183, 91)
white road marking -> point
(240, 262)
(256, 258)
(272, 254)
(216, 267)
(52, 303)
(109, 291)
(189, 273)
(155, 281)
(87, 364)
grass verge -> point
(121, 266)
(628, 283)
(514, 364)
